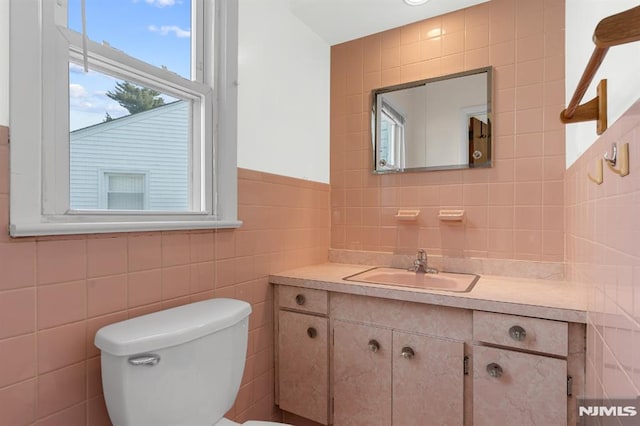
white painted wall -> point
(283, 93)
(620, 67)
(4, 62)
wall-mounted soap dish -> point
(407, 215)
(451, 215)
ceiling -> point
(337, 21)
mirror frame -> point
(387, 89)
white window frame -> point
(40, 51)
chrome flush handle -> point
(148, 360)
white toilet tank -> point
(181, 366)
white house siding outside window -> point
(74, 139)
(150, 147)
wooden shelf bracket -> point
(595, 109)
(612, 31)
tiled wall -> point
(56, 292)
(515, 209)
(603, 254)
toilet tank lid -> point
(170, 327)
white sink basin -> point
(446, 281)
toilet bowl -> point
(178, 367)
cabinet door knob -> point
(408, 352)
(494, 370)
(374, 346)
(517, 333)
(312, 332)
(300, 299)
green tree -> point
(135, 98)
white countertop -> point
(550, 299)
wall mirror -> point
(436, 124)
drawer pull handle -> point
(494, 370)
(300, 299)
(517, 333)
(312, 332)
(408, 352)
(374, 346)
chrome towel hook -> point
(614, 155)
(618, 156)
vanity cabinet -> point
(348, 359)
(361, 374)
(523, 388)
(383, 377)
(302, 357)
(397, 363)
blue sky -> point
(156, 31)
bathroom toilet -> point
(178, 367)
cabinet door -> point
(303, 365)
(428, 380)
(518, 388)
(361, 375)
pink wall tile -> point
(175, 249)
(61, 346)
(61, 389)
(17, 312)
(175, 282)
(602, 257)
(106, 256)
(94, 377)
(18, 359)
(61, 261)
(106, 295)
(96, 280)
(511, 36)
(144, 252)
(4, 215)
(62, 366)
(18, 404)
(144, 287)
(74, 416)
(17, 263)
(202, 246)
(97, 414)
(61, 303)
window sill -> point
(47, 229)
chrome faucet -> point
(420, 264)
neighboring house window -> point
(125, 191)
(156, 95)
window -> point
(156, 95)
(391, 152)
(124, 191)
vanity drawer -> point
(303, 299)
(533, 334)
